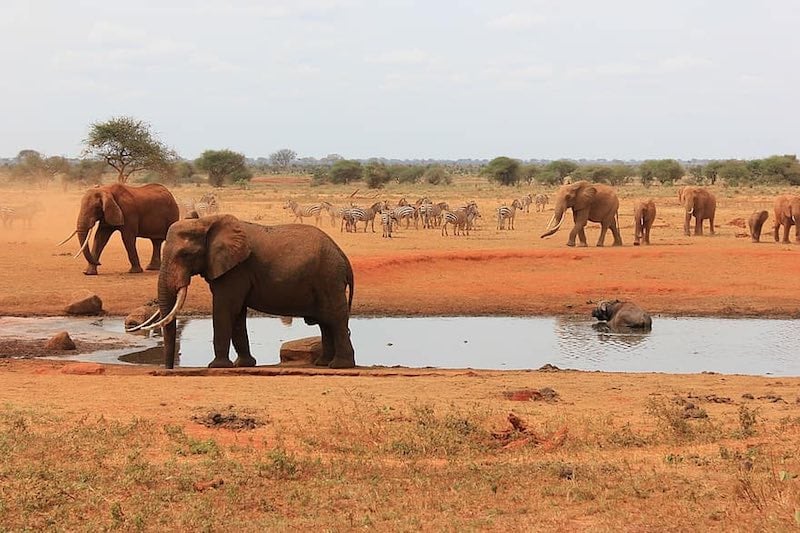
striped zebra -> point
(431, 214)
(367, 215)
(387, 220)
(526, 202)
(406, 212)
(208, 204)
(540, 201)
(304, 211)
(461, 219)
(506, 215)
(24, 213)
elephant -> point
(644, 213)
(589, 202)
(286, 270)
(699, 203)
(145, 212)
(786, 210)
(621, 316)
(755, 223)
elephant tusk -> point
(143, 324)
(86, 241)
(68, 238)
(172, 314)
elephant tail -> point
(351, 285)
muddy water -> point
(679, 345)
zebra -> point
(406, 212)
(431, 214)
(461, 219)
(506, 213)
(300, 211)
(208, 204)
(25, 213)
(334, 212)
(540, 201)
(525, 202)
(367, 215)
(387, 219)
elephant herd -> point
(290, 270)
(593, 202)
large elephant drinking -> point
(289, 270)
(145, 212)
(589, 202)
(699, 203)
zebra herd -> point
(24, 213)
(208, 204)
(424, 211)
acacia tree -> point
(282, 158)
(562, 167)
(344, 171)
(127, 145)
(223, 166)
(503, 170)
(376, 174)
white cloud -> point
(515, 21)
(684, 62)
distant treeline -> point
(225, 167)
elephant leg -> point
(155, 260)
(603, 230)
(785, 233)
(686, 221)
(240, 341)
(129, 240)
(711, 224)
(344, 356)
(328, 346)
(615, 232)
(698, 225)
(223, 321)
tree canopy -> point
(344, 171)
(223, 166)
(282, 158)
(37, 169)
(503, 170)
(562, 167)
(128, 145)
(664, 170)
(376, 174)
(437, 175)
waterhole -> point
(676, 345)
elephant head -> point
(578, 196)
(98, 206)
(209, 246)
(605, 310)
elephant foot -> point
(342, 363)
(636, 243)
(583, 245)
(135, 270)
(571, 244)
(600, 244)
(323, 361)
(90, 271)
(245, 361)
(220, 362)
(153, 266)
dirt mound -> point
(227, 420)
(738, 222)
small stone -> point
(139, 315)
(301, 351)
(88, 304)
(84, 369)
(60, 342)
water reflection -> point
(750, 346)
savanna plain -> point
(411, 449)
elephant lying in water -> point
(289, 270)
(622, 316)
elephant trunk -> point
(169, 304)
(84, 234)
(557, 215)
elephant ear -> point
(584, 197)
(112, 213)
(227, 245)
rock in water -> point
(60, 342)
(301, 351)
(88, 304)
(139, 315)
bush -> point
(437, 175)
(503, 170)
(344, 171)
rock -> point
(88, 304)
(301, 351)
(139, 315)
(60, 342)
(84, 369)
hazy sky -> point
(406, 78)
